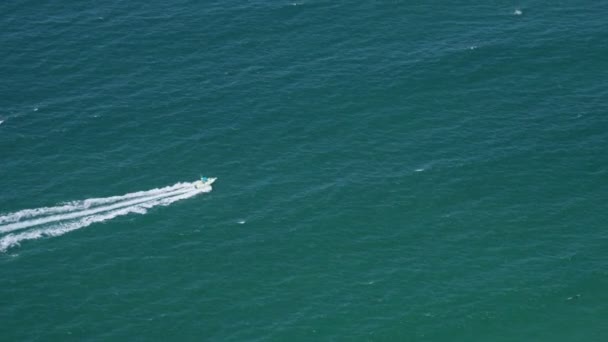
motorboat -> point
(204, 182)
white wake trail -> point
(58, 229)
(86, 204)
(69, 216)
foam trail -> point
(72, 215)
(58, 229)
(86, 204)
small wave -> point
(517, 12)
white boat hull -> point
(200, 184)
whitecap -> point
(517, 12)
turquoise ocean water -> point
(387, 171)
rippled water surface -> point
(387, 171)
